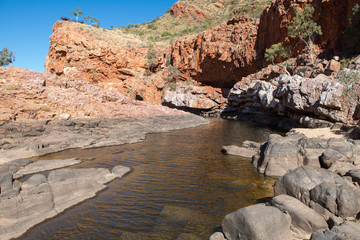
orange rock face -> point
(220, 56)
(79, 52)
(25, 94)
(181, 9)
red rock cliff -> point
(81, 52)
(220, 55)
(331, 15)
(223, 55)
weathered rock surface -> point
(346, 231)
(280, 154)
(80, 52)
(220, 56)
(257, 222)
(52, 136)
(302, 217)
(41, 198)
(294, 96)
(26, 94)
(45, 165)
(300, 181)
(182, 9)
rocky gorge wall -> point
(209, 64)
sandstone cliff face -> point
(331, 15)
(79, 51)
(220, 56)
(181, 9)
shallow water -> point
(180, 183)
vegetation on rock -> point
(305, 28)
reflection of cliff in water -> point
(181, 183)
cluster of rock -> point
(309, 203)
(317, 196)
(25, 203)
(298, 97)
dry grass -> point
(166, 28)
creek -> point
(180, 183)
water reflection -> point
(181, 183)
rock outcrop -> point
(26, 94)
(297, 97)
(181, 9)
(86, 53)
(35, 138)
(40, 197)
(220, 56)
(309, 203)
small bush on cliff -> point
(6, 57)
(152, 60)
(92, 21)
(305, 28)
(278, 51)
(352, 34)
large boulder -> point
(341, 200)
(300, 181)
(302, 217)
(257, 222)
(281, 154)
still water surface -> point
(180, 183)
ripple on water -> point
(181, 183)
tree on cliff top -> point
(305, 28)
(6, 57)
(77, 13)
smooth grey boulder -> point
(346, 231)
(257, 222)
(302, 217)
(344, 147)
(331, 156)
(41, 198)
(45, 165)
(325, 195)
(300, 181)
(281, 154)
(239, 151)
(341, 200)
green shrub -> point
(6, 57)
(305, 28)
(351, 80)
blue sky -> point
(26, 25)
